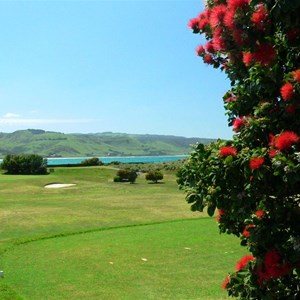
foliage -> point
(154, 176)
(125, 175)
(254, 180)
(25, 164)
(94, 161)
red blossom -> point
(274, 265)
(248, 58)
(272, 139)
(239, 37)
(287, 91)
(259, 16)
(286, 139)
(229, 19)
(264, 54)
(242, 263)
(235, 4)
(225, 282)
(272, 153)
(238, 123)
(246, 232)
(260, 213)
(208, 59)
(209, 47)
(296, 75)
(193, 23)
(227, 151)
(217, 15)
(256, 162)
(200, 50)
(219, 216)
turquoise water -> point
(106, 160)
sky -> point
(117, 65)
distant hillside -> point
(55, 144)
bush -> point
(27, 164)
(94, 161)
(254, 180)
(126, 175)
(154, 176)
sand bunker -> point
(58, 185)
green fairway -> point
(90, 241)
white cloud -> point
(11, 115)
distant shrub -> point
(94, 161)
(117, 179)
(26, 164)
(154, 176)
(126, 175)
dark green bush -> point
(26, 164)
(94, 161)
(126, 175)
(154, 176)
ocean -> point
(122, 159)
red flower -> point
(260, 213)
(217, 15)
(238, 123)
(200, 50)
(219, 216)
(218, 43)
(208, 59)
(229, 19)
(272, 153)
(272, 139)
(193, 23)
(296, 75)
(203, 19)
(274, 265)
(246, 232)
(227, 151)
(265, 54)
(235, 4)
(209, 47)
(256, 162)
(286, 139)
(287, 91)
(242, 263)
(259, 16)
(225, 282)
(247, 58)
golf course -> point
(99, 239)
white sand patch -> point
(58, 185)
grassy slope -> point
(77, 266)
(59, 144)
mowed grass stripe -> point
(177, 260)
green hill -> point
(56, 144)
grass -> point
(105, 240)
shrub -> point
(126, 175)
(94, 161)
(154, 176)
(24, 164)
(254, 180)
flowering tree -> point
(254, 180)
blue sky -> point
(96, 66)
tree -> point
(154, 176)
(94, 161)
(254, 180)
(24, 164)
(125, 175)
